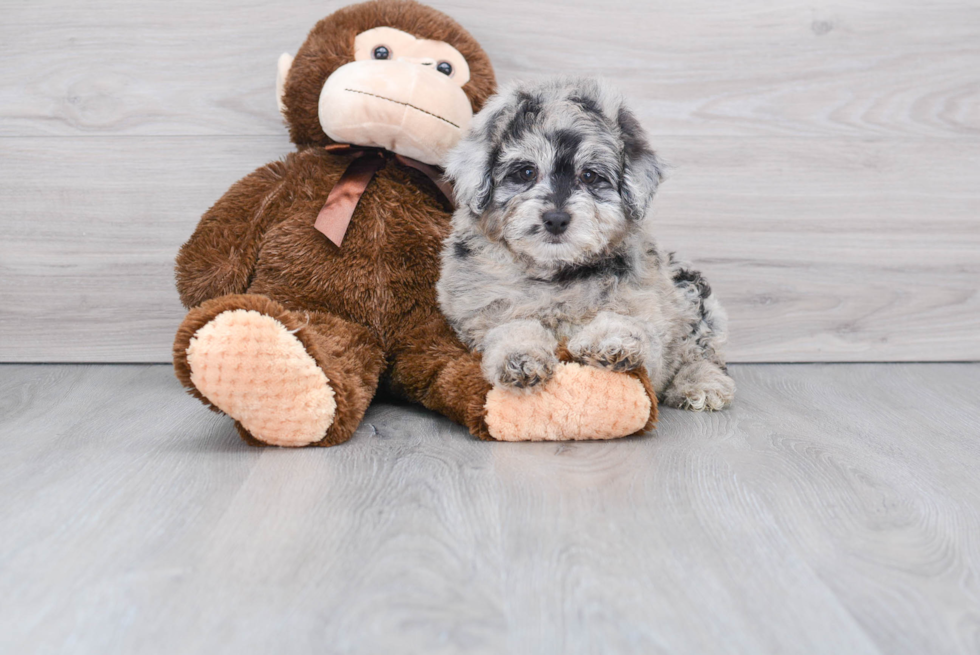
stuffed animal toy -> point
(313, 279)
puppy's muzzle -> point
(556, 221)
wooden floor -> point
(834, 508)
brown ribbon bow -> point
(334, 218)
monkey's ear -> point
(285, 62)
(642, 169)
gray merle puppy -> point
(550, 243)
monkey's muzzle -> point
(407, 108)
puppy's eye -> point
(589, 176)
(445, 68)
(527, 173)
(381, 52)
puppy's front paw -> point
(523, 369)
(616, 349)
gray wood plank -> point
(834, 508)
(900, 68)
(819, 249)
(86, 269)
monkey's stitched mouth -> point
(404, 104)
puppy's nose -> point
(556, 221)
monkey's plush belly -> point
(387, 265)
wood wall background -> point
(826, 157)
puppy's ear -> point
(470, 169)
(642, 170)
(471, 163)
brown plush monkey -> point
(290, 331)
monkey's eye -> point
(381, 52)
(590, 176)
(445, 68)
(527, 173)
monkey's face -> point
(401, 93)
(394, 74)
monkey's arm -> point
(220, 256)
(431, 366)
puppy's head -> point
(558, 172)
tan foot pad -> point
(580, 402)
(253, 369)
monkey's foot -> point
(252, 368)
(579, 402)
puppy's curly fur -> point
(550, 244)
